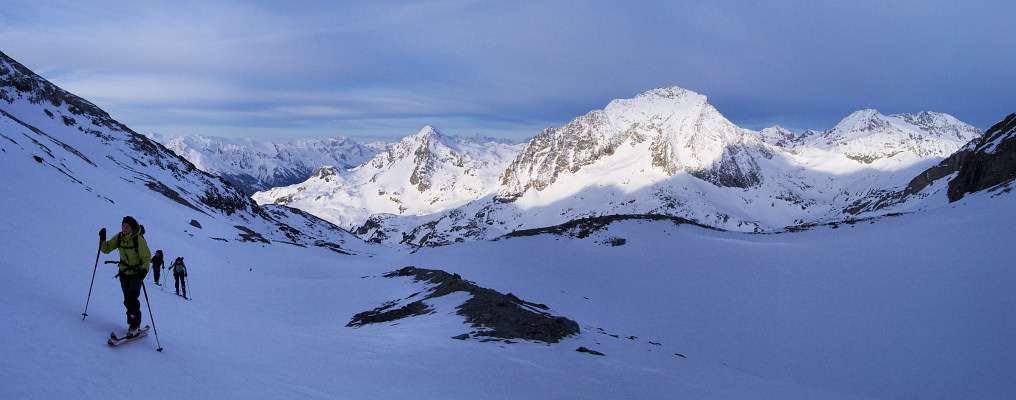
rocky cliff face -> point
(685, 134)
(989, 162)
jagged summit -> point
(669, 129)
(426, 172)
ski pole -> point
(85, 314)
(151, 317)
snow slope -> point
(901, 308)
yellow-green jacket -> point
(133, 253)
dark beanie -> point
(129, 220)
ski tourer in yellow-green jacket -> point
(135, 261)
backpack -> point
(178, 267)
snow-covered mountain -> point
(667, 152)
(778, 136)
(425, 173)
(256, 165)
(867, 136)
(675, 130)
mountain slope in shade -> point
(990, 163)
(255, 165)
(84, 145)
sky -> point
(384, 70)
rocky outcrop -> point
(495, 315)
(991, 161)
(685, 134)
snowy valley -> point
(886, 272)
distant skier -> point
(157, 264)
(179, 273)
(135, 258)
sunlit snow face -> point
(125, 228)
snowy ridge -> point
(260, 165)
(868, 136)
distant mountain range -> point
(256, 165)
(666, 152)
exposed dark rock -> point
(992, 162)
(945, 168)
(388, 313)
(581, 228)
(249, 235)
(985, 162)
(585, 350)
(498, 316)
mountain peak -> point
(777, 135)
(428, 131)
(862, 120)
(657, 102)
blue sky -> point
(315, 69)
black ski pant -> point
(156, 272)
(131, 285)
(180, 281)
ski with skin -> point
(116, 341)
(184, 297)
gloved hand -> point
(102, 235)
(142, 273)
